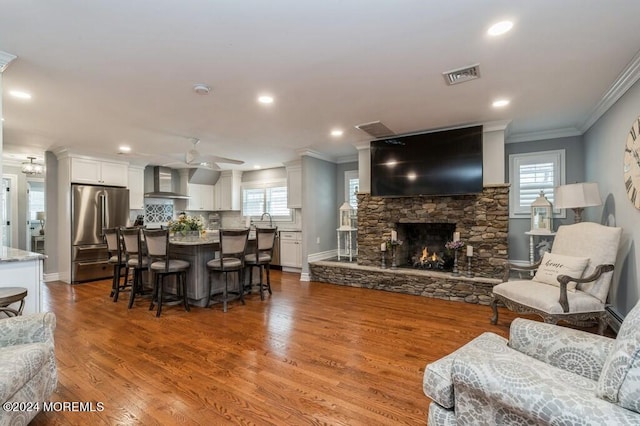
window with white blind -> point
(269, 198)
(531, 173)
(351, 185)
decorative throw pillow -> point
(553, 265)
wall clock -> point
(632, 164)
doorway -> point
(36, 216)
(10, 211)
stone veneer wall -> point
(481, 219)
(439, 285)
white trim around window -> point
(529, 174)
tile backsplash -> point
(158, 211)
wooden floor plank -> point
(313, 353)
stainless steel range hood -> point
(159, 183)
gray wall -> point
(319, 206)
(574, 159)
(51, 203)
(604, 147)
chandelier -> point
(31, 168)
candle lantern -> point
(541, 215)
(346, 213)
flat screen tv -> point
(437, 163)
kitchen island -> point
(19, 268)
(198, 252)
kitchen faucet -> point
(270, 220)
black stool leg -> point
(184, 291)
(154, 292)
(267, 266)
(241, 285)
(134, 286)
(160, 293)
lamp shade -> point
(577, 195)
(40, 216)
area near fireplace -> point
(481, 219)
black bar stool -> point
(132, 243)
(161, 265)
(9, 295)
(233, 244)
(261, 257)
(117, 259)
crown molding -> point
(5, 59)
(627, 78)
(544, 134)
(347, 159)
(315, 154)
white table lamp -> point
(577, 196)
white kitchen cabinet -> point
(136, 188)
(97, 172)
(291, 249)
(294, 186)
(227, 191)
(200, 197)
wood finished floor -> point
(312, 353)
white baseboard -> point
(51, 277)
(314, 257)
(305, 276)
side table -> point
(349, 249)
(532, 244)
(10, 295)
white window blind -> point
(266, 198)
(531, 173)
(352, 183)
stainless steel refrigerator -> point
(94, 208)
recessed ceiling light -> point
(20, 95)
(500, 103)
(337, 133)
(201, 89)
(257, 166)
(124, 148)
(265, 99)
(500, 28)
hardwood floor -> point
(312, 353)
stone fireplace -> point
(481, 219)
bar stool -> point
(161, 265)
(117, 259)
(134, 255)
(265, 239)
(9, 295)
(233, 244)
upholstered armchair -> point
(544, 374)
(28, 371)
(571, 283)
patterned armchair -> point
(28, 371)
(544, 374)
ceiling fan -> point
(193, 159)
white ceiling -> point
(106, 73)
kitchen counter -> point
(19, 268)
(198, 252)
(9, 254)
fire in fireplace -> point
(424, 245)
(429, 260)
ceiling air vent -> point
(376, 129)
(461, 75)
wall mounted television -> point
(430, 164)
